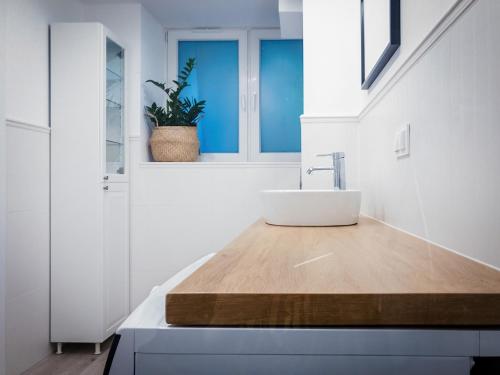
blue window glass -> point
(216, 80)
(281, 95)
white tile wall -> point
(28, 251)
(448, 189)
(27, 331)
(27, 84)
(329, 134)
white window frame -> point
(173, 39)
(254, 113)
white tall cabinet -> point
(89, 184)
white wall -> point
(28, 55)
(27, 112)
(447, 190)
(182, 212)
(28, 247)
(154, 66)
(331, 57)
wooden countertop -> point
(363, 275)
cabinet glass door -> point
(115, 137)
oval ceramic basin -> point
(305, 208)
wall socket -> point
(402, 142)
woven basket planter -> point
(175, 143)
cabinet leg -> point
(97, 349)
(59, 348)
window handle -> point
(244, 103)
(254, 101)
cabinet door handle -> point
(106, 187)
(105, 178)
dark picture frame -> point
(391, 48)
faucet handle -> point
(334, 155)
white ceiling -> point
(209, 13)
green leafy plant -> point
(178, 111)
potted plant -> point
(174, 135)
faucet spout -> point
(314, 169)
(338, 168)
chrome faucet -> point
(338, 168)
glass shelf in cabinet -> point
(113, 105)
(113, 76)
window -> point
(221, 79)
(277, 91)
(261, 124)
(215, 79)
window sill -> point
(209, 164)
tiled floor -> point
(77, 359)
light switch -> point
(402, 142)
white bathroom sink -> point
(311, 207)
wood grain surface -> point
(363, 275)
